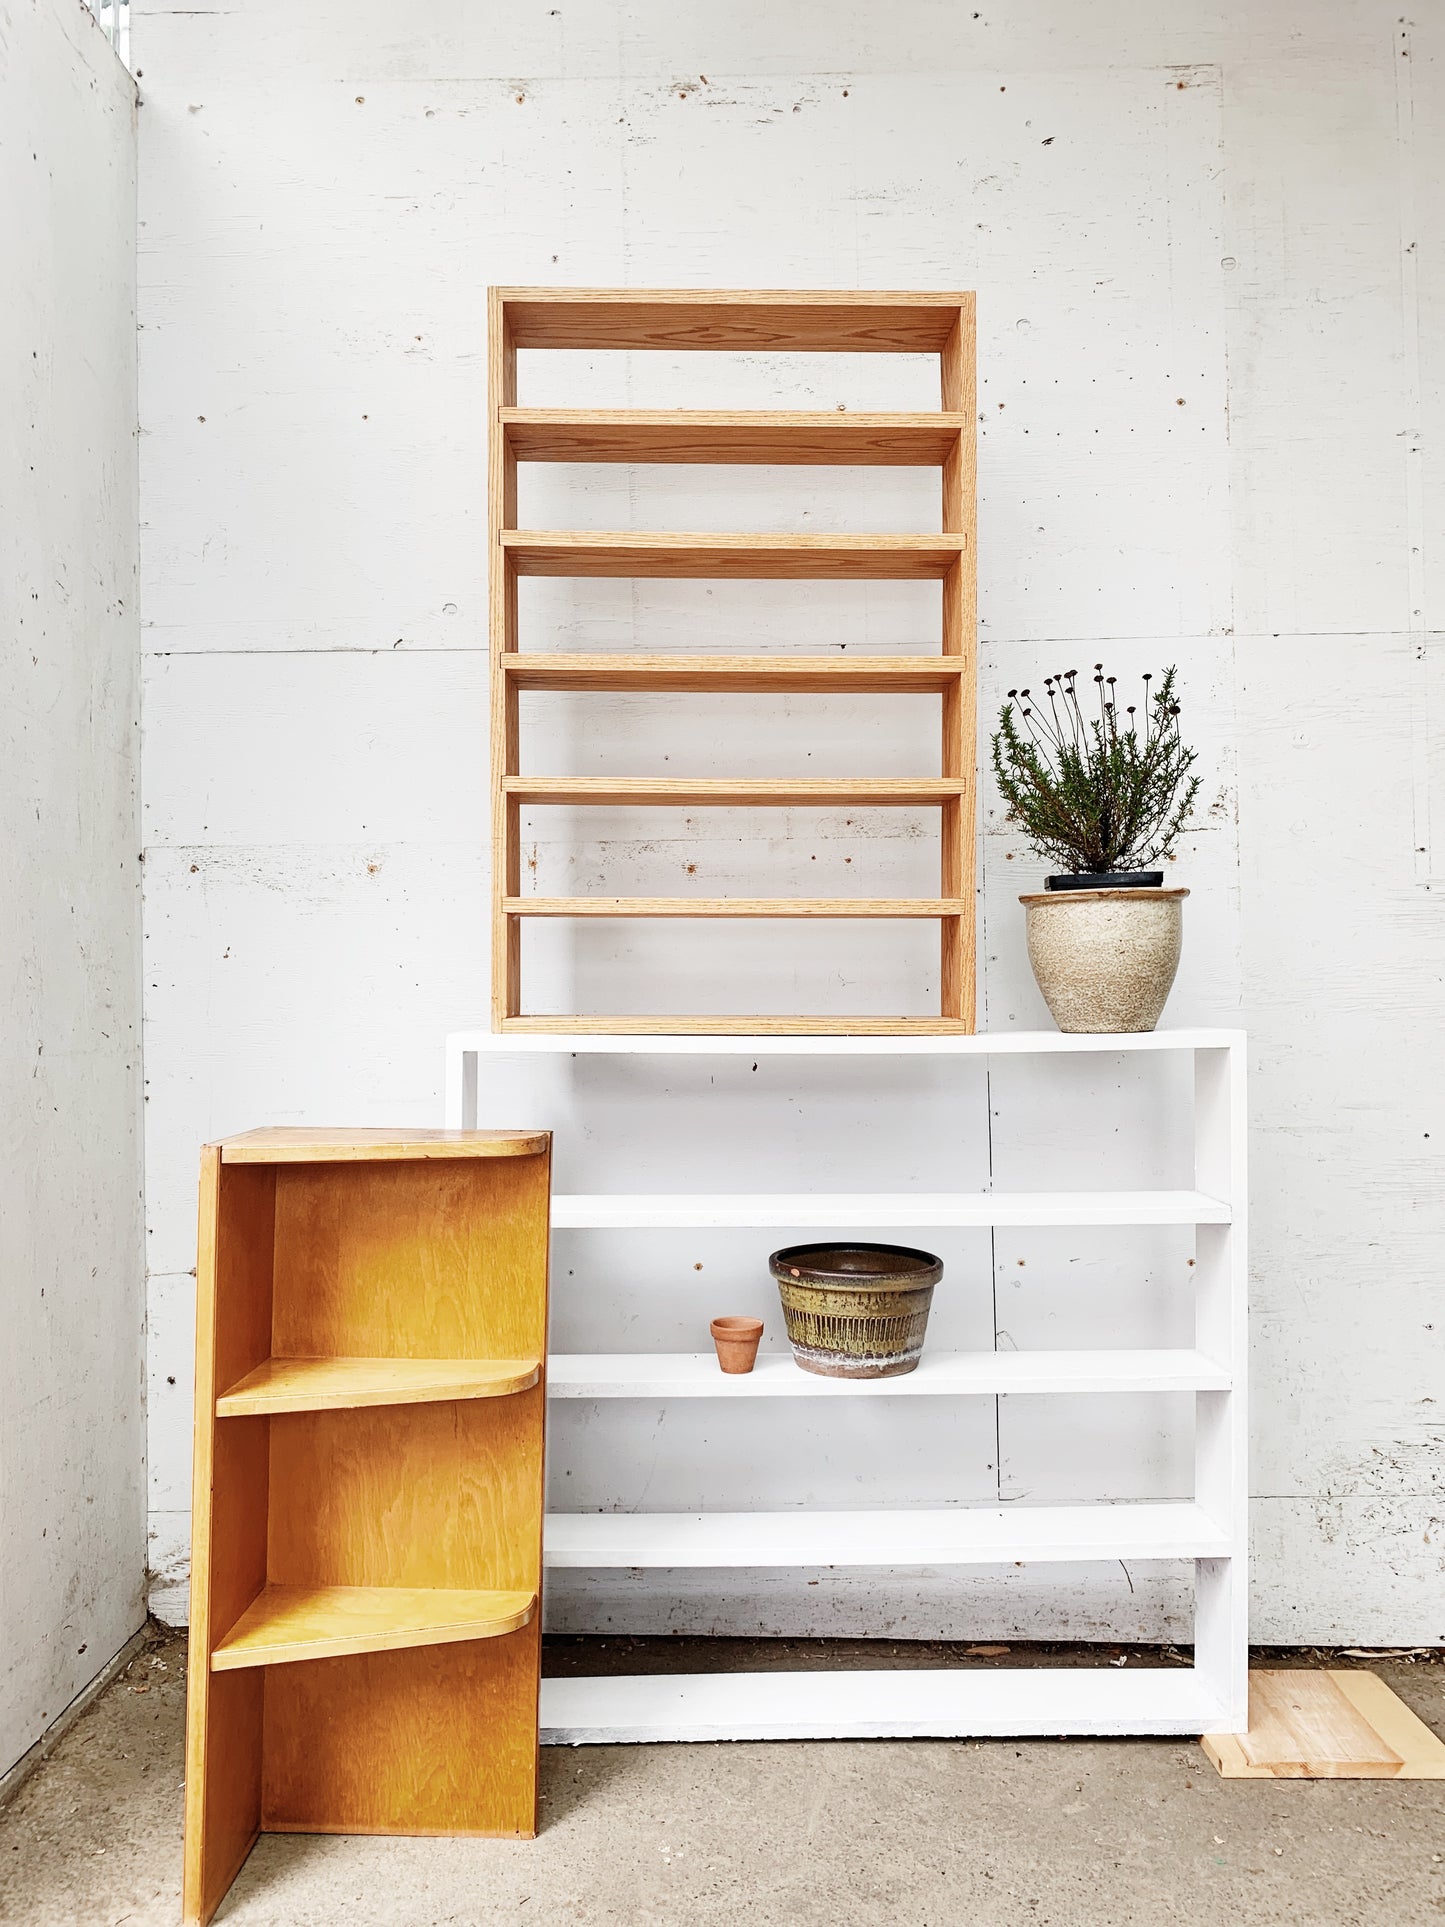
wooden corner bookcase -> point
(367, 1511)
(771, 322)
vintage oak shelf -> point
(291, 1623)
(335, 1384)
(772, 322)
(744, 558)
(782, 436)
(759, 792)
(371, 1317)
(723, 675)
(921, 907)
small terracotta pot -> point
(736, 1342)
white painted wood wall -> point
(1207, 248)
(72, 1442)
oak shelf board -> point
(343, 1384)
(935, 1536)
(764, 792)
(932, 1702)
(292, 1623)
(910, 907)
(774, 436)
(774, 321)
(865, 1210)
(304, 1145)
(749, 675)
(742, 557)
(670, 1375)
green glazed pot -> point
(856, 1310)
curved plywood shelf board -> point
(336, 1384)
(289, 1144)
(291, 1623)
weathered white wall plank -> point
(72, 1444)
(1185, 226)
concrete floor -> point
(1122, 1833)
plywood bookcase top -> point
(371, 1317)
(746, 320)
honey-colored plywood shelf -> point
(371, 1323)
(744, 320)
(733, 675)
(288, 1144)
(288, 1624)
(782, 437)
(340, 1384)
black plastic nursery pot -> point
(1107, 880)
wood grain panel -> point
(411, 1261)
(437, 1740)
(425, 1495)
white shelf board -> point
(981, 1044)
(939, 1374)
(875, 1211)
(906, 1704)
(951, 1536)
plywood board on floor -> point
(1327, 1726)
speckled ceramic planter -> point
(1105, 959)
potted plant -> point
(1104, 796)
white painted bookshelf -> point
(1211, 1529)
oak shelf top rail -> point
(773, 321)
